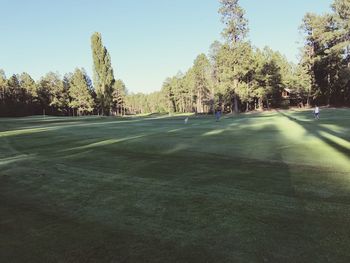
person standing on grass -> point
(317, 113)
(218, 115)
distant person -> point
(218, 115)
(317, 113)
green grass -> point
(270, 187)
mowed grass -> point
(269, 187)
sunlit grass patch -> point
(250, 186)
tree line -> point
(235, 76)
(74, 94)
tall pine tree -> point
(235, 31)
(80, 93)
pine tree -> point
(52, 94)
(3, 83)
(119, 94)
(341, 9)
(80, 93)
(29, 85)
(201, 70)
(327, 48)
(235, 31)
(168, 93)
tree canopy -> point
(235, 76)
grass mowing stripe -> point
(270, 187)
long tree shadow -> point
(185, 197)
(316, 130)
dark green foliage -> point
(80, 93)
(236, 25)
(53, 94)
(326, 54)
(201, 75)
(103, 74)
(235, 57)
(119, 106)
(243, 78)
(235, 77)
(18, 95)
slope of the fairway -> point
(270, 187)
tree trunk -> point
(308, 101)
(329, 90)
(260, 103)
(267, 103)
(235, 103)
(235, 96)
(198, 102)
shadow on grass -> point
(51, 123)
(35, 233)
(171, 195)
(316, 130)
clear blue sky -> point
(148, 40)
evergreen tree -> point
(103, 74)
(30, 91)
(201, 71)
(235, 31)
(53, 95)
(216, 95)
(119, 94)
(3, 85)
(80, 93)
(190, 86)
(233, 17)
(168, 92)
(327, 48)
(29, 85)
(16, 93)
(341, 9)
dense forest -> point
(235, 76)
